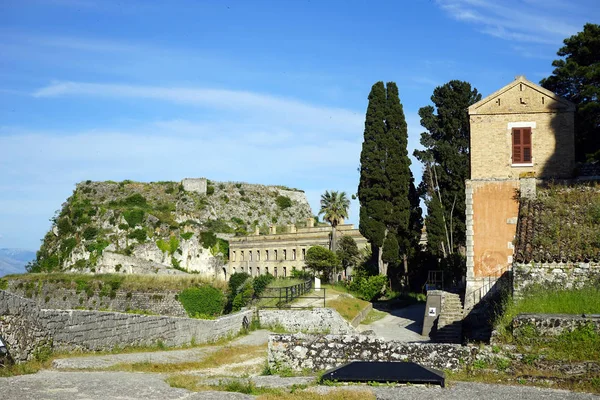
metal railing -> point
(491, 284)
(286, 294)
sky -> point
(267, 92)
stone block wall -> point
(23, 332)
(197, 185)
(559, 275)
(56, 296)
(319, 352)
(551, 325)
(25, 328)
(318, 320)
(93, 330)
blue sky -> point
(270, 92)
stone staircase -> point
(449, 328)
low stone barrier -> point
(319, 352)
(550, 325)
(317, 320)
(565, 275)
(361, 315)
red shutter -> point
(517, 156)
(526, 145)
(521, 146)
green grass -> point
(348, 307)
(581, 344)
(372, 316)
(129, 282)
(543, 301)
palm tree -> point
(334, 206)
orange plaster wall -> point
(493, 205)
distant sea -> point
(13, 261)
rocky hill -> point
(162, 227)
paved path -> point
(57, 385)
(403, 324)
(157, 357)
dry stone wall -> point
(26, 328)
(560, 275)
(319, 352)
(318, 320)
(551, 325)
(56, 296)
(20, 326)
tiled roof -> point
(558, 227)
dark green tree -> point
(347, 252)
(446, 155)
(321, 261)
(385, 177)
(334, 207)
(576, 77)
(436, 234)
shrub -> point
(139, 234)
(243, 298)
(187, 235)
(283, 202)
(68, 245)
(208, 239)
(260, 283)
(202, 301)
(135, 200)
(134, 217)
(64, 226)
(369, 288)
(236, 280)
(90, 232)
(210, 190)
(124, 227)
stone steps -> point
(450, 320)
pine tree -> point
(577, 79)
(446, 155)
(385, 177)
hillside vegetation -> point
(153, 227)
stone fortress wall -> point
(280, 253)
(27, 328)
(55, 296)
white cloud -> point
(282, 109)
(514, 20)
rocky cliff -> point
(162, 227)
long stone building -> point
(520, 133)
(279, 254)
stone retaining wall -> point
(557, 275)
(23, 332)
(56, 296)
(319, 352)
(25, 327)
(551, 325)
(361, 315)
(318, 320)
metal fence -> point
(281, 297)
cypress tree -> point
(385, 177)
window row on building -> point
(277, 272)
(267, 255)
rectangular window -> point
(233, 256)
(267, 255)
(293, 254)
(250, 255)
(303, 254)
(275, 253)
(285, 254)
(257, 255)
(242, 255)
(521, 146)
